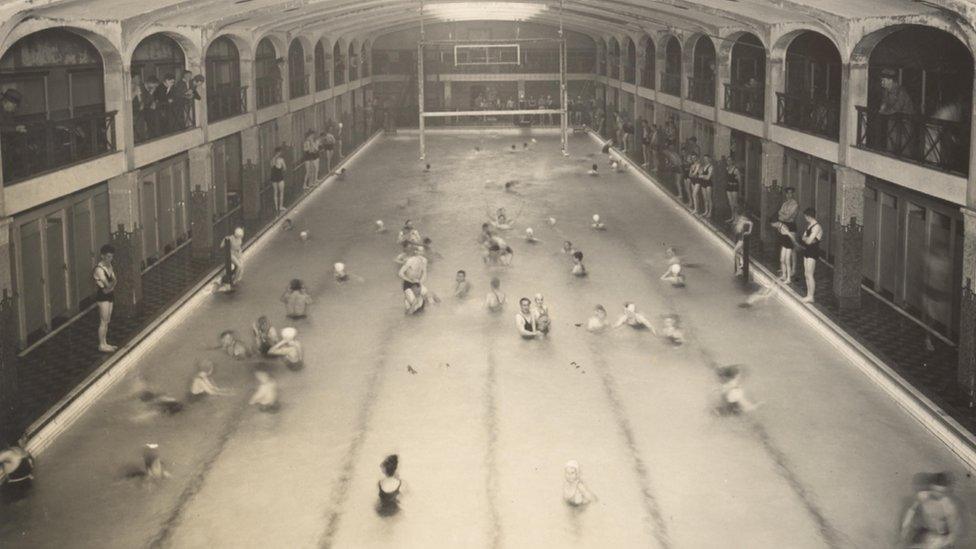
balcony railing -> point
(33, 148)
(298, 87)
(817, 116)
(747, 100)
(647, 78)
(939, 144)
(671, 83)
(701, 90)
(159, 119)
(629, 75)
(614, 71)
(226, 101)
(269, 91)
(338, 76)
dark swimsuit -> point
(527, 324)
(812, 250)
(732, 182)
(102, 296)
(706, 182)
(277, 174)
(388, 504)
(784, 240)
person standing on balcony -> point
(168, 105)
(150, 107)
(896, 106)
(191, 96)
(138, 111)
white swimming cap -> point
(596, 218)
(529, 231)
(552, 220)
(339, 267)
(630, 307)
(675, 268)
(289, 333)
(379, 222)
(538, 296)
(573, 464)
(303, 235)
(239, 232)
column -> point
(201, 201)
(848, 232)
(772, 190)
(722, 141)
(11, 426)
(686, 128)
(125, 216)
(250, 173)
(967, 304)
(775, 78)
(248, 79)
(853, 92)
(123, 200)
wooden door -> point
(150, 217)
(32, 279)
(56, 262)
(869, 263)
(915, 258)
(890, 275)
(165, 209)
(82, 253)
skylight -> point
(466, 11)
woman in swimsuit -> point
(787, 243)
(705, 170)
(265, 336)
(495, 299)
(278, 170)
(524, 320)
(18, 466)
(105, 281)
(540, 315)
(811, 251)
(733, 174)
(689, 164)
(389, 487)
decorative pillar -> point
(123, 201)
(775, 79)
(848, 232)
(11, 424)
(201, 201)
(853, 92)
(128, 270)
(250, 173)
(722, 141)
(772, 190)
(966, 375)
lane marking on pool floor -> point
(491, 457)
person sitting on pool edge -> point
(525, 322)
(289, 349)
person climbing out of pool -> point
(231, 344)
(265, 336)
(598, 225)
(594, 170)
(598, 321)
(203, 384)
(525, 322)
(414, 269)
(461, 285)
(17, 465)
(674, 273)
(575, 493)
(289, 349)
(578, 268)
(265, 397)
(495, 300)
(409, 234)
(540, 314)
(734, 400)
(152, 469)
(632, 318)
(296, 300)
(389, 487)
(933, 519)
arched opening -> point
(226, 96)
(745, 92)
(613, 58)
(166, 94)
(338, 65)
(267, 74)
(322, 65)
(648, 71)
(701, 83)
(630, 65)
(297, 79)
(53, 104)
(364, 61)
(671, 77)
(353, 62)
(601, 58)
(919, 103)
(811, 102)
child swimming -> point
(575, 493)
(265, 397)
(673, 274)
(203, 384)
(530, 236)
(296, 300)
(289, 349)
(380, 226)
(632, 318)
(598, 322)
(671, 332)
(232, 345)
(734, 400)
(461, 285)
(597, 225)
(578, 268)
(495, 300)
(265, 336)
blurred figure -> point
(674, 274)
(734, 400)
(671, 331)
(380, 226)
(743, 229)
(933, 520)
(530, 236)
(461, 285)
(409, 234)
(597, 225)
(17, 465)
(265, 397)
(598, 322)
(203, 384)
(578, 268)
(231, 344)
(415, 298)
(495, 300)
(289, 349)
(152, 469)
(594, 170)
(575, 493)
(633, 318)
(296, 300)
(389, 487)
(265, 336)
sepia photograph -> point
(513, 274)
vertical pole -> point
(563, 96)
(420, 84)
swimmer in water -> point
(500, 221)
(265, 336)
(575, 493)
(157, 403)
(265, 397)
(551, 221)
(568, 248)
(525, 321)
(594, 170)
(512, 149)
(429, 252)
(671, 331)
(152, 469)
(578, 268)
(203, 384)
(674, 273)
(498, 253)
(380, 226)
(427, 168)
(461, 285)
(486, 235)
(633, 318)
(17, 465)
(530, 236)
(296, 300)
(540, 314)
(757, 297)
(409, 234)
(287, 225)
(289, 349)
(339, 272)
(389, 488)
(510, 185)
(597, 225)
(598, 322)
(734, 400)
(415, 298)
(231, 344)
(341, 174)
(495, 300)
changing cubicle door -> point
(56, 261)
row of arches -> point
(58, 110)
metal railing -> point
(298, 87)
(33, 148)
(353, 73)
(630, 74)
(701, 90)
(932, 142)
(747, 100)
(269, 91)
(159, 120)
(817, 116)
(671, 83)
(226, 101)
(648, 77)
(338, 75)
(614, 69)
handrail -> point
(933, 142)
(817, 116)
(32, 148)
(701, 89)
(747, 100)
